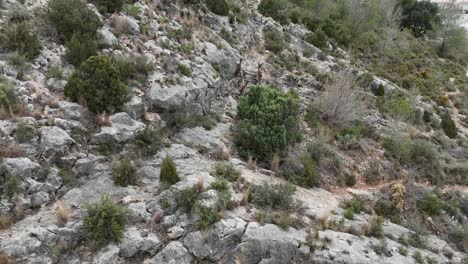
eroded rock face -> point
(123, 128)
(133, 242)
(173, 253)
(55, 140)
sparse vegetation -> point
(124, 174)
(274, 40)
(276, 197)
(226, 170)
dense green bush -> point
(24, 132)
(432, 204)
(354, 206)
(303, 174)
(275, 9)
(80, 48)
(109, 6)
(219, 7)
(276, 197)
(105, 221)
(97, 82)
(268, 121)
(376, 228)
(168, 172)
(22, 38)
(124, 174)
(9, 102)
(398, 146)
(318, 39)
(274, 40)
(226, 170)
(11, 185)
(72, 17)
(449, 126)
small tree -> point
(72, 16)
(22, 38)
(168, 173)
(97, 82)
(268, 121)
(125, 173)
(105, 221)
(448, 125)
(219, 7)
(80, 48)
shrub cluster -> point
(97, 81)
(226, 170)
(219, 7)
(268, 121)
(274, 40)
(448, 125)
(301, 172)
(105, 221)
(124, 174)
(80, 48)
(109, 6)
(276, 197)
(9, 103)
(21, 37)
(168, 172)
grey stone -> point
(135, 108)
(122, 129)
(54, 140)
(22, 167)
(173, 253)
(107, 255)
(71, 110)
(56, 85)
(39, 198)
(105, 38)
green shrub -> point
(397, 106)
(403, 251)
(184, 69)
(80, 48)
(226, 170)
(187, 115)
(276, 197)
(168, 173)
(133, 10)
(418, 257)
(304, 174)
(219, 7)
(284, 220)
(268, 121)
(318, 39)
(125, 173)
(423, 152)
(97, 82)
(55, 71)
(380, 91)
(274, 40)
(24, 132)
(354, 206)
(207, 215)
(22, 38)
(398, 146)
(449, 126)
(105, 221)
(11, 186)
(9, 102)
(149, 141)
(432, 204)
(386, 208)
(220, 185)
(72, 17)
(109, 6)
(188, 198)
(376, 228)
(275, 9)
(350, 180)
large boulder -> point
(173, 253)
(165, 97)
(122, 129)
(133, 242)
(54, 140)
(105, 38)
(24, 168)
(269, 244)
(214, 243)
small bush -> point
(185, 70)
(149, 141)
(125, 173)
(22, 38)
(219, 7)
(418, 257)
(304, 174)
(276, 197)
(397, 106)
(226, 170)
(207, 215)
(97, 82)
(109, 6)
(24, 132)
(80, 48)
(284, 220)
(403, 251)
(449, 126)
(387, 209)
(380, 90)
(275, 9)
(318, 39)
(55, 71)
(105, 221)
(350, 180)
(268, 121)
(188, 198)
(168, 173)
(354, 206)
(398, 146)
(375, 228)
(274, 40)
(71, 17)
(187, 115)
(11, 186)
(432, 204)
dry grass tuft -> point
(63, 213)
(11, 150)
(252, 164)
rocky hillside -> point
(214, 132)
